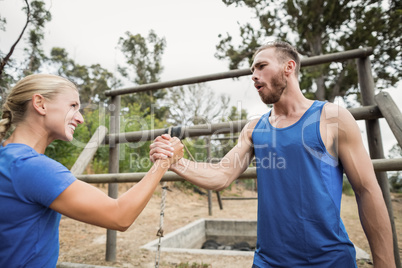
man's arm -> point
(86, 203)
(359, 169)
(215, 176)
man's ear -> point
(290, 67)
(38, 103)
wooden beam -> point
(89, 151)
(359, 113)
(250, 173)
(391, 113)
(316, 60)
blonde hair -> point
(15, 105)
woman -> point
(34, 189)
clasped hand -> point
(166, 147)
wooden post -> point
(366, 83)
(113, 189)
(89, 151)
(391, 113)
(218, 196)
(208, 140)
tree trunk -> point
(316, 48)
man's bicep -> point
(353, 155)
(242, 154)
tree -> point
(92, 81)
(143, 58)
(195, 104)
(222, 147)
(36, 18)
(318, 27)
(134, 157)
(34, 51)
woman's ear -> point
(38, 102)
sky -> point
(89, 30)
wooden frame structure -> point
(374, 107)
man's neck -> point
(292, 102)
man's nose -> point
(254, 77)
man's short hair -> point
(284, 52)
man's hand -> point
(166, 147)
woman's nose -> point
(78, 116)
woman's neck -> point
(28, 136)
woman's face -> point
(63, 115)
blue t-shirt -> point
(29, 229)
(299, 197)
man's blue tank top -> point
(299, 197)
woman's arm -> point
(86, 203)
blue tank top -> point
(299, 197)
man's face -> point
(268, 76)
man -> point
(302, 147)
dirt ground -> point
(83, 243)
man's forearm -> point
(376, 224)
(206, 175)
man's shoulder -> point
(333, 112)
(253, 122)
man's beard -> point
(278, 85)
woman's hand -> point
(166, 147)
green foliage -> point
(141, 111)
(221, 147)
(143, 59)
(68, 152)
(92, 81)
(395, 178)
(39, 15)
(318, 27)
(3, 22)
(134, 157)
(235, 114)
(347, 188)
(395, 182)
(36, 18)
